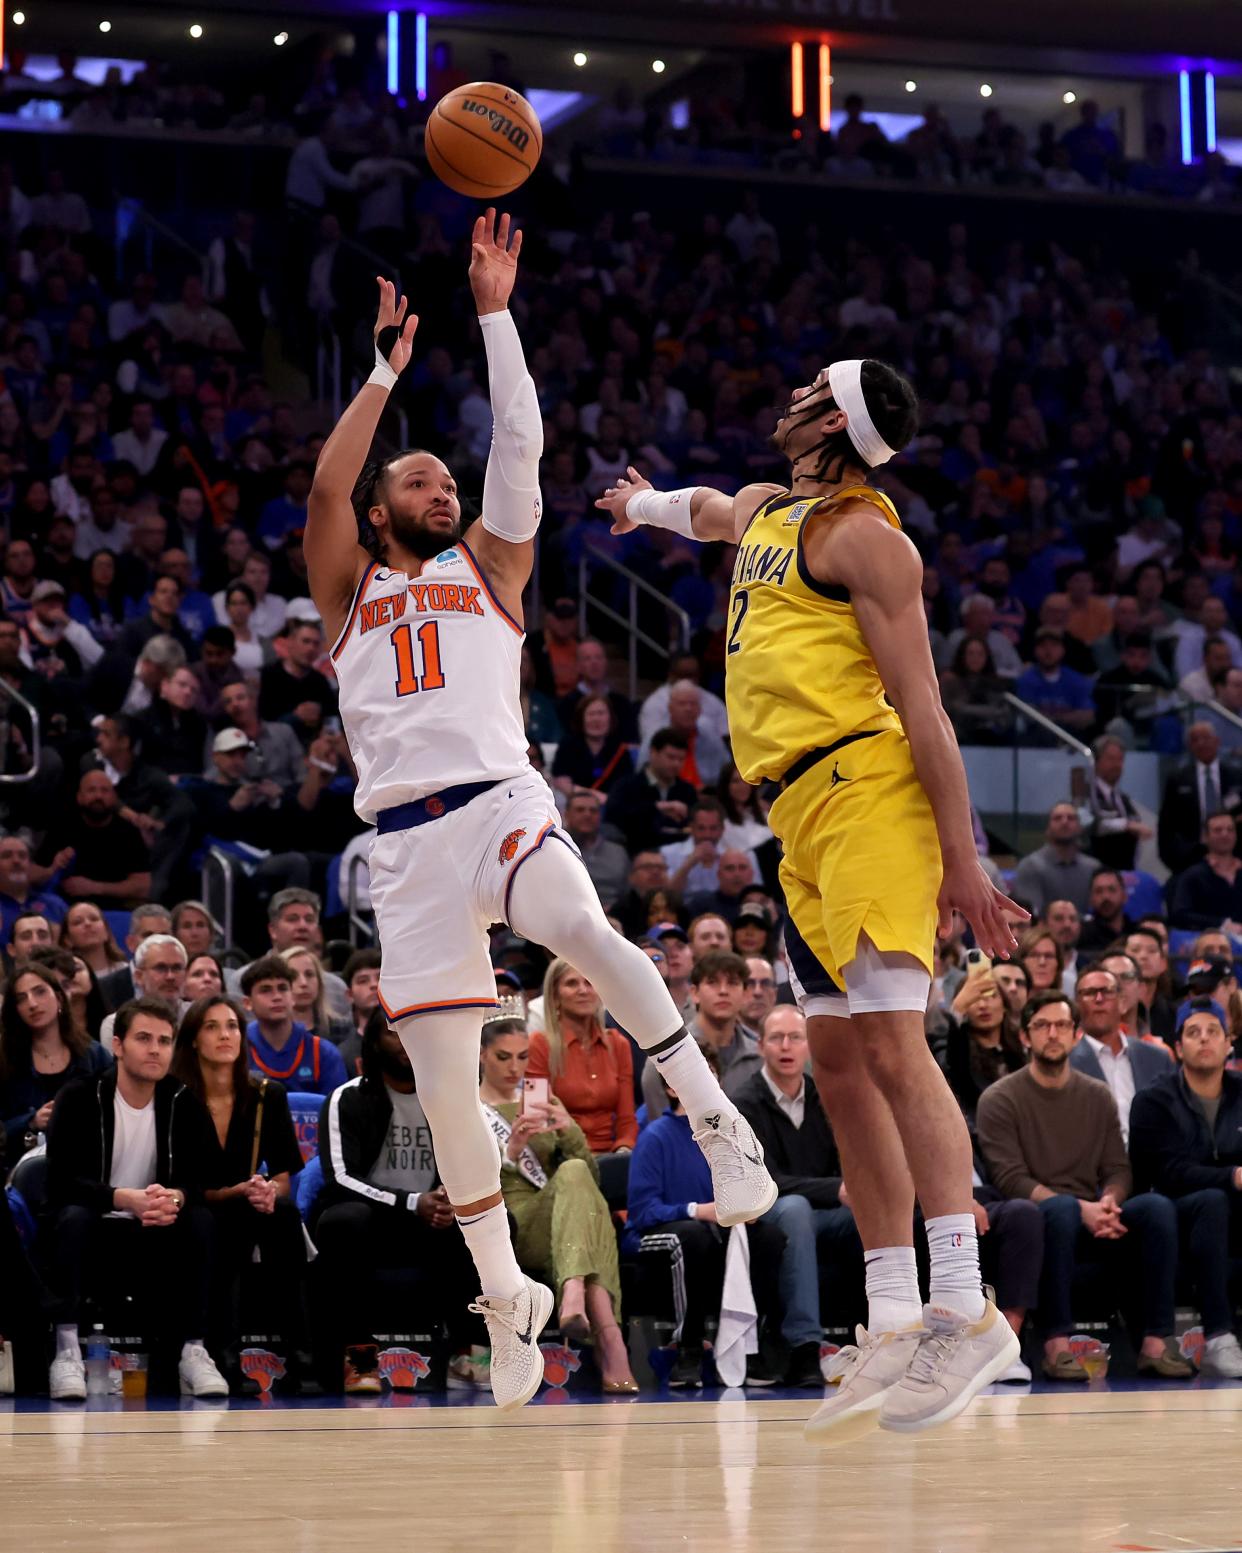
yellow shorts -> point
(861, 855)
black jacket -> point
(802, 1160)
(79, 1142)
(1170, 1147)
(353, 1125)
(632, 809)
(1180, 827)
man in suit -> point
(1103, 1052)
(1116, 828)
(1205, 784)
(789, 1121)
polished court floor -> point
(1114, 1470)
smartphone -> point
(976, 957)
(535, 1094)
(332, 725)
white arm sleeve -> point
(511, 502)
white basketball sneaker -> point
(956, 1359)
(864, 1376)
(198, 1375)
(514, 1327)
(66, 1379)
(741, 1185)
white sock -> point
(487, 1235)
(892, 1289)
(684, 1069)
(67, 1341)
(953, 1241)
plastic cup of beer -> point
(134, 1376)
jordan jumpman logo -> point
(837, 778)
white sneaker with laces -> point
(1018, 1374)
(1222, 1357)
(66, 1379)
(198, 1374)
(955, 1360)
(741, 1185)
(514, 1327)
(864, 1376)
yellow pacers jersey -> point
(798, 675)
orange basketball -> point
(483, 140)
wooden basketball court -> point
(1099, 1472)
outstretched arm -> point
(504, 536)
(334, 558)
(696, 512)
(884, 575)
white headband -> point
(845, 381)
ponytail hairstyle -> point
(894, 410)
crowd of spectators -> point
(1076, 493)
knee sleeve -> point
(554, 903)
(444, 1051)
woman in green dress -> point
(551, 1187)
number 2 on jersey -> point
(741, 603)
(409, 681)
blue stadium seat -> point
(118, 925)
(304, 1108)
(1144, 894)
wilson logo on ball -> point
(498, 123)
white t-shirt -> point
(405, 1162)
(133, 1148)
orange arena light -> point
(797, 95)
(825, 87)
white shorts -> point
(438, 887)
(876, 982)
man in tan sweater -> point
(1051, 1134)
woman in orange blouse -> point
(591, 1069)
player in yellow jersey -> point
(832, 694)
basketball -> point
(483, 140)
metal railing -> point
(1220, 711)
(131, 213)
(215, 859)
(14, 778)
(360, 926)
(1059, 734)
(629, 620)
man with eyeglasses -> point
(1052, 1135)
(799, 1150)
(1106, 1053)
(1126, 972)
(760, 989)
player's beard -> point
(419, 540)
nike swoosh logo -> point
(754, 1158)
(510, 792)
(525, 1337)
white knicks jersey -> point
(429, 668)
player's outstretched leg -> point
(444, 1051)
(553, 902)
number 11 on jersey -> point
(409, 681)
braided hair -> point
(368, 490)
(894, 410)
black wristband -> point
(386, 340)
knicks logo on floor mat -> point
(509, 846)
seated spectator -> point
(706, 755)
(148, 800)
(653, 714)
(1122, 708)
(1059, 870)
(1147, 946)
(760, 997)
(292, 689)
(216, 669)
(735, 874)
(1105, 1052)
(651, 807)
(592, 668)
(78, 982)
(293, 917)
(672, 940)
(310, 1003)
(592, 754)
(1052, 1135)
(1186, 1142)
(798, 1148)
(267, 612)
(160, 619)
(1208, 782)
(607, 863)
(693, 863)
(982, 1043)
(978, 614)
(251, 1208)
(973, 694)
(1053, 689)
(279, 1047)
(173, 731)
(111, 863)
(754, 931)
(204, 976)
(87, 933)
(1106, 919)
(1208, 893)
(31, 931)
(670, 1193)
(99, 603)
(591, 1068)
(1204, 683)
(709, 932)
(1014, 984)
(126, 1173)
(1040, 956)
(117, 984)
(1065, 925)
(362, 977)
(274, 754)
(41, 1050)
(159, 967)
(194, 925)
(382, 1206)
(118, 684)
(17, 897)
(247, 651)
(718, 983)
(550, 1183)
(648, 873)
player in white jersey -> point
(427, 630)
